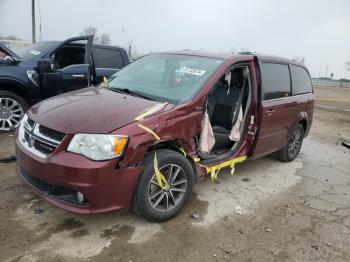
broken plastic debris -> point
(238, 210)
(38, 211)
(34, 202)
(195, 216)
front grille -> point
(26, 136)
(55, 135)
(44, 147)
(30, 122)
(39, 139)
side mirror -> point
(44, 65)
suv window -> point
(275, 80)
(108, 58)
(301, 82)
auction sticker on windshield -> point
(35, 52)
(192, 71)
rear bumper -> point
(57, 179)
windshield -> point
(166, 77)
(35, 50)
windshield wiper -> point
(131, 92)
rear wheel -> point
(291, 151)
(156, 203)
(12, 109)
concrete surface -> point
(297, 211)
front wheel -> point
(291, 151)
(12, 109)
(156, 202)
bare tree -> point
(10, 37)
(105, 39)
(91, 30)
(299, 59)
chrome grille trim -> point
(29, 136)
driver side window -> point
(69, 54)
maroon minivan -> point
(161, 122)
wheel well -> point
(14, 89)
(304, 124)
(172, 145)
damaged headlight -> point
(98, 146)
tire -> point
(12, 109)
(291, 151)
(171, 200)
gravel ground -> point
(297, 211)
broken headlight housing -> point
(98, 146)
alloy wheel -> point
(11, 113)
(295, 143)
(167, 199)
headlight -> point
(98, 146)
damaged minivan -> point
(162, 122)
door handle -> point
(270, 111)
(78, 76)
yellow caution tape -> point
(149, 131)
(150, 111)
(214, 170)
(183, 151)
(161, 180)
(105, 82)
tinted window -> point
(301, 82)
(108, 58)
(275, 81)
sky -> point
(317, 30)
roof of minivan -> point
(249, 55)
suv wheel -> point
(12, 109)
(156, 203)
(291, 151)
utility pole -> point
(33, 21)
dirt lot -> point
(298, 211)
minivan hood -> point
(88, 110)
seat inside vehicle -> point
(224, 103)
(69, 55)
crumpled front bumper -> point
(58, 178)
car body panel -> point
(97, 110)
(79, 111)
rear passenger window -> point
(108, 58)
(275, 80)
(301, 82)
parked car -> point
(166, 119)
(46, 69)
